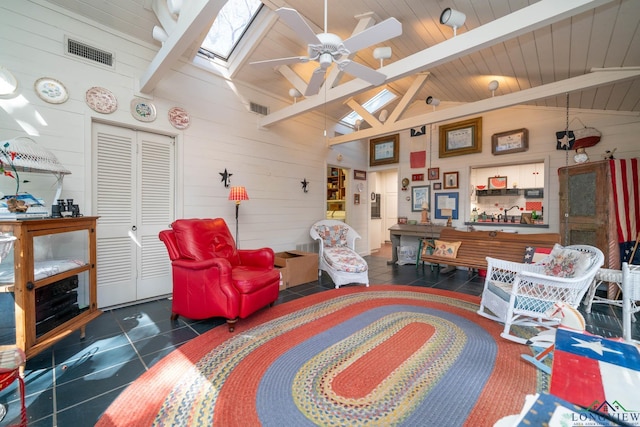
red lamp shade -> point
(238, 194)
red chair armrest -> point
(263, 258)
(169, 239)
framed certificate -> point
(513, 141)
(384, 150)
(461, 138)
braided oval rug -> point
(386, 355)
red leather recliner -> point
(211, 277)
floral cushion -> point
(446, 249)
(334, 235)
(564, 262)
(344, 259)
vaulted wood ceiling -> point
(537, 50)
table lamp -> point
(425, 213)
(447, 213)
(238, 194)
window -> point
(229, 27)
(374, 104)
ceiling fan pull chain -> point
(566, 163)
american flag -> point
(626, 194)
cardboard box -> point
(302, 267)
(284, 277)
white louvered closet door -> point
(134, 198)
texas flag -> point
(596, 373)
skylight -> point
(229, 27)
(378, 101)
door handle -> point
(134, 228)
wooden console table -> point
(429, 231)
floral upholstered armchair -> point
(338, 256)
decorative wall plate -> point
(179, 118)
(51, 90)
(101, 100)
(8, 83)
(143, 110)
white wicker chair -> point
(603, 276)
(630, 297)
(521, 294)
(338, 256)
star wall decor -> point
(565, 140)
(419, 131)
(226, 177)
(304, 183)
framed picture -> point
(356, 198)
(446, 205)
(359, 174)
(433, 173)
(497, 182)
(513, 141)
(437, 186)
(419, 195)
(525, 218)
(461, 138)
(417, 177)
(384, 150)
(450, 180)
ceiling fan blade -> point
(361, 71)
(385, 30)
(294, 20)
(281, 61)
(316, 81)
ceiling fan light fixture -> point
(325, 60)
(327, 48)
(453, 18)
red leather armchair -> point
(211, 277)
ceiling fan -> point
(327, 48)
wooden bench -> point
(477, 245)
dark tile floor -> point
(73, 383)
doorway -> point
(134, 198)
(384, 189)
(336, 193)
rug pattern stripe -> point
(217, 378)
(196, 395)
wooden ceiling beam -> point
(523, 21)
(366, 116)
(194, 18)
(597, 77)
(408, 97)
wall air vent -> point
(90, 53)
(260, 109)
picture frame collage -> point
(454, 139)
